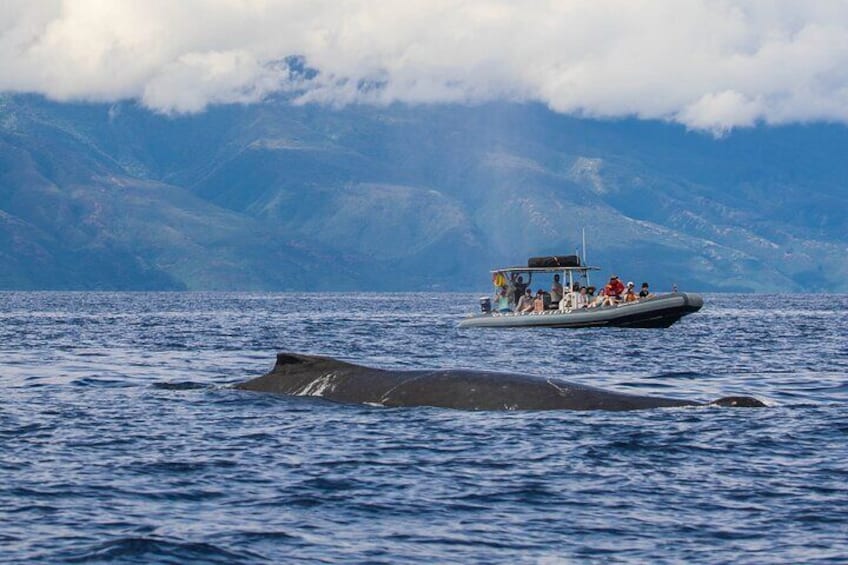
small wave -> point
(24, 430)
(182, 385)
(681, 375)
(454, 540)
(41, 509)
(645, 385)
(149, 549)
(270, 535)
(171, 467)
(99, 382)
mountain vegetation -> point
(276, 196)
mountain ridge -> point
(274, 196)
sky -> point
(709, 65)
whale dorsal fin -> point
(288, 359)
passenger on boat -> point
(581, 299)
(510, 290)
(608, 296)
(566, 302)
(525, 303)
(595, 301)
(556, 290)
(502, 302)
(645, 292)
(630, 293)
(539, 301)
(520, 288)
(616, 286)
(572, 297)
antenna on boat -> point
(584, 256)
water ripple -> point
(123, 440)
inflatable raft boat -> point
(661, 311)
(654, 311)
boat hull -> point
(658, 312)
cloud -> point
(720, 111)
(709, 64)
(195, 80)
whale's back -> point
(307, 375)
(481, 390)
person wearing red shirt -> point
(615, 286)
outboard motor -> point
(486, 305)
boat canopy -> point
(581, 269)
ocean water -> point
(122, 440)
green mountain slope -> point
(275, 196)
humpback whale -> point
(308, 375)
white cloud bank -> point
(709, 64)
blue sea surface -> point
(122, 439)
